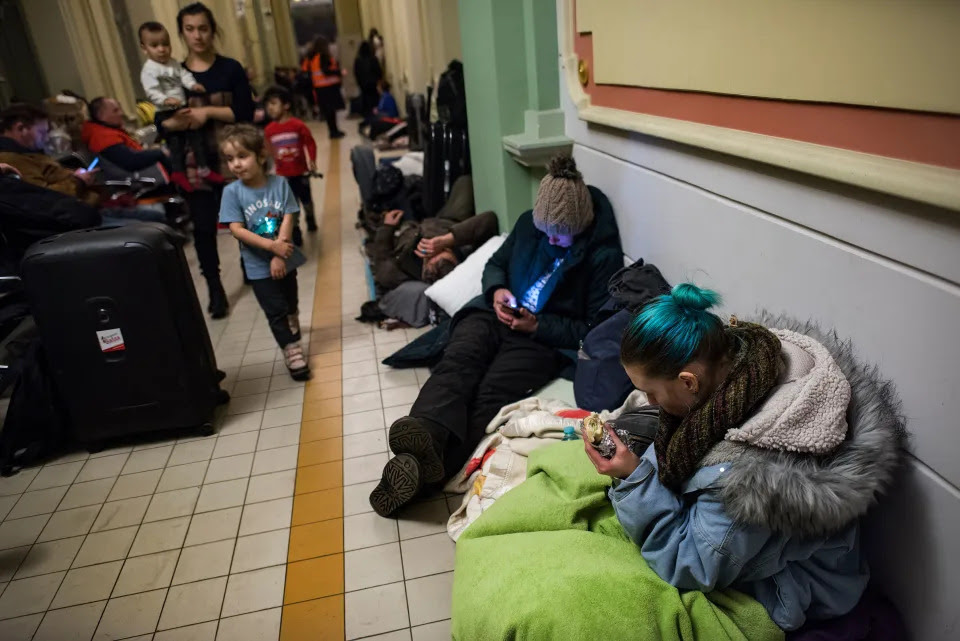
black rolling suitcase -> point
(123, 330)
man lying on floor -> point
(540, 297)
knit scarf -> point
(681, 442)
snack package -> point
(636, 429)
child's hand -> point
(278, 268)
(392, 218)
(172, 102)
(198, 88)
(282, 248)
(312, 165)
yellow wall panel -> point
(884, 53)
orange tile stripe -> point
(313, 605)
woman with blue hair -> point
(755, 479)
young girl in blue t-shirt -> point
(261, 210)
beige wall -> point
(53, 48)
(420, 38)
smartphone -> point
(96, 161)
(515, 310)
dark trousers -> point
(485, 366)
(204, 211)
(300, 186)
(177, 141)
(278, 300)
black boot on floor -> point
(309, 216)
(408, 435)
(400, 483)
(218, 299)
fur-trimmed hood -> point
(809, 495)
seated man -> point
(23, 135)
(105, 136)
(542, 291)
(427, 250)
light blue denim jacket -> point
(692, 543)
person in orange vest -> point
(326, 75)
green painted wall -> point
(510, 66)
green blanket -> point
(550, 561)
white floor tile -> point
(396, 635)
(360, 368)
(229, 468)
(364, 402)
(28, 596)
(61, 525)
(403, 395)
(51, 476)
(391, 414)
(49, 557)
(439, 631)
(84, 494)
(260, 370)
(181, 476)
(368, 530)
(260, 550)
(280, 416)
(278, 437)
(199, 632)
(423, 518)
(427, 555)
(37, 502)
(364, 468)
(131, 615)
(266, 487)
(101, 468)
(251, 386)
(375, 610)
(213, 526)
(117, 514)
(217, 496)
(369, 567)
(101, 547)
(276, 460)
(146, 573)
(363, 444)
(243, 404)
(256, 590)
(83, 585)
(168, 505)
(192, 452)
(397, 378)
(239, 423)
(204, 562)
(78, 622)
(132, 485)
(363, 422)
(360, 384)
(430, 598)
(266, 516)
(356, 498)
(21, 628)
(160, 536)
(144, 460)
(235, 444)
(284, 397)
(193, 603)
(12, 559)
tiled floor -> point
(262, 531)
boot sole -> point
(398, 486)
(408, 437)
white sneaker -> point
(296, 362)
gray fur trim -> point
(808, 495)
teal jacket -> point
(572, 298)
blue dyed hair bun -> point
(689, 296)
(674, 330)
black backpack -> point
(452, 95)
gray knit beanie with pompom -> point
(563, 202)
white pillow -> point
(463, 284)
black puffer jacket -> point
(576, 291)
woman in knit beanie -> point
(563, 207)
(542, 291)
